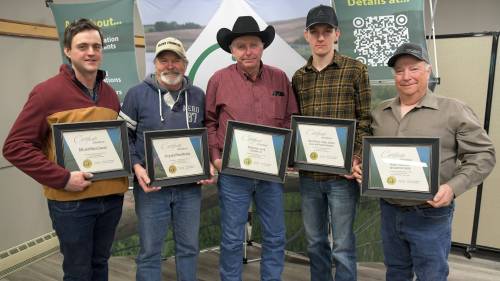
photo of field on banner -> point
(404, 168)
(176, 157)
(322, 144)
(100, 148)
(255, 151)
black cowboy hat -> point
(245, 25)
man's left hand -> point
(212, 178)
(443, 197)
(355, 162)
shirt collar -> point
(246, 75)
(336, 61)
(99, 77)
(429, 101)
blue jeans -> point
(86, 229)
(177, 206)
(416, 240)
(337, 199)
(235, 196)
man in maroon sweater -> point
(84, 214)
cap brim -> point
(320, 22)
(392, 61)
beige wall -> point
(489, 226)
(464, 70)
(464, 16)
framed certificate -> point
(322, 144)
(100, 148)
(404, 168)
(256, 151)
(176, 157)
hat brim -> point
(392, 61)
(225, 37)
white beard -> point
(171, 81)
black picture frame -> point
(117, 132)
(156, 171)
(345, 128)
(427, 150)
(281, 139)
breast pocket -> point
(279, 104)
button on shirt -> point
(233, 95)
(467, 154)
(340, 90)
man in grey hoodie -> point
(164, 100)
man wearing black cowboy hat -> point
(334, 86)
(252, 92)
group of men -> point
(416, 235)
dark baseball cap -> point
(409, 49)
(322, 14)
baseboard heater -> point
(15, 258)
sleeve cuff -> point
(215, 154)
(459, 184)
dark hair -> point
(78, 26)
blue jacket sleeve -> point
(129, 113)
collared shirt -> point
(92, 93)
(340, 90)
(233, 95)
(467, 154)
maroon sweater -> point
(29, 145)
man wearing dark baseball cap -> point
(409, 49)
(416, 235)
(331, 85)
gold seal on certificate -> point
(322, 144)
(100, 148)
(176, 157)
(405, 168)
(172, 169)
(247, 161)
(391, 180)
(256, 151)
(87, 163)
(313, 155)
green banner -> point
(371, 30)
(116, 20)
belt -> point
(411, 208)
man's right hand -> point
(218, 164)
(143, 179)
(78, 181)
(357, 172)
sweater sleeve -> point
(25, 142)
(212, 119)
(363, 103)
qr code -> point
(377, 37)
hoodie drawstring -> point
(159, 104)
(186, 110)
(186, 98)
